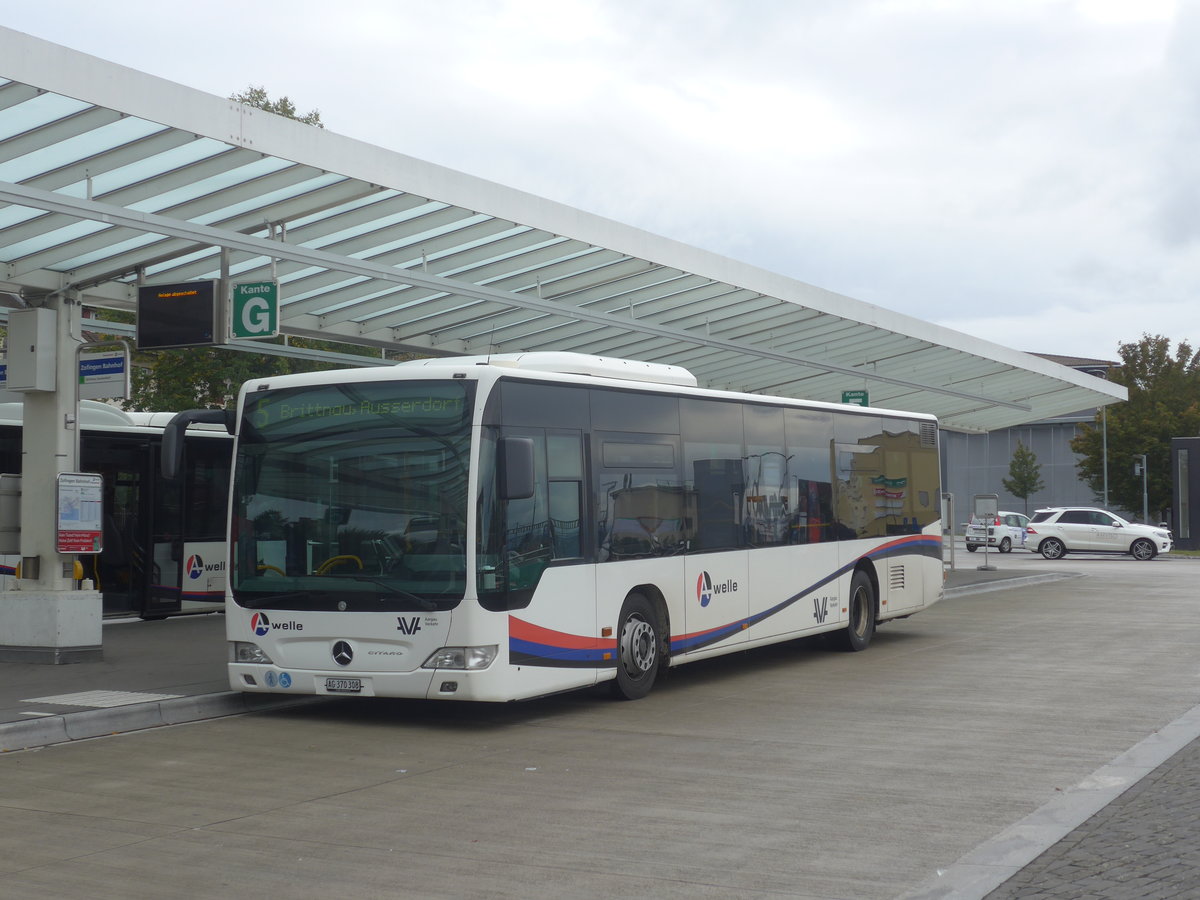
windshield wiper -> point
(424, 602)
(247, 597)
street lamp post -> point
(1140, 468)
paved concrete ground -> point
(152, 673)
(181, 661)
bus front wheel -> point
(638, 648)
(861, 627)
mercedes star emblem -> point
(342, 653)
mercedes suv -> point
(1082, 529)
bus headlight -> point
(246, 652)
(462, 658)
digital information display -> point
(177, 315)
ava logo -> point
(706, 588)
(195, 566)
(260, 624)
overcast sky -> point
(1025, 171)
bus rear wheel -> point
(638, 648)
(861, 627)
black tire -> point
(971, 548)
(1052, 548)
(1005, 545)
(1143, 549)
(639, 648)
(861, 627)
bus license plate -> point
(343, 685)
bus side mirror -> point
(172, 438)
(514, 464)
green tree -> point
(210, 377)
(258, 98)
(1164, 402)
(1024, 475)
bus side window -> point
(641, 507)
(765, 520)
(713, 471)
(809, 435)
(564, 455)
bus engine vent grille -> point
(896, 577)
(929, 434)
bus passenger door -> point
(119, 570)
(165, 557)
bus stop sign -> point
(254, 312)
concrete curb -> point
(978, 873)
(79, 726)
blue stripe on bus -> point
(533, 653)
(922, 545)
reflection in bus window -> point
(642, 508)
(809, 435)
(766, 477)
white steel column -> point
(50, 618)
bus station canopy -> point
(110, 176)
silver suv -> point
(1084, 529)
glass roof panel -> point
(471, 244)
(501, 257)
(409, 240)
(203, 187)
(348, 206)
(84, 146)
(158, 164)
(324, 289)
(355, 231)
(261, 201)
(36, 112)
(67, 233)
(177, 261)
(14, 215)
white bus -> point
(163, 542)
(498, 528)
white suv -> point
(1082, 529)
(1005, 531)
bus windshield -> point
(352, 497)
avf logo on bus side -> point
(706, 588)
